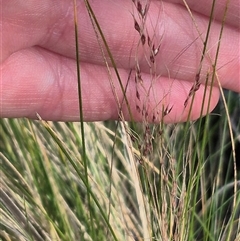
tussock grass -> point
(184, 190)
(122, 180)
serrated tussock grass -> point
(119, 180)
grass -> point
(122, 180)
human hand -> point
(38, 66)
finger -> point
(29, 23)
(168, 25)
(49, 87)
(204, 7)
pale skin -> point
(38, 63)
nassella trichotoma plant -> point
(126, 180)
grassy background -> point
(182, 190)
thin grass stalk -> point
(96, 24)
(76, 168)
